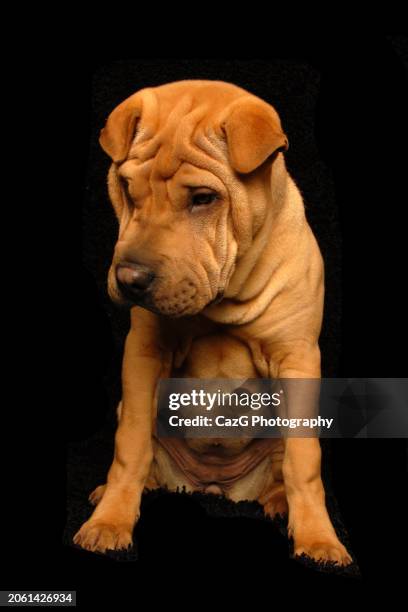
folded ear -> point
(119, 131)
(253, 131)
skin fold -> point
(233, 288)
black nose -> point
(134, 278)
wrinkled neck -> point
(259, 272)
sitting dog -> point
(224, 279)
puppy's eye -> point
(203, 198)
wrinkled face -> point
(184, 156)
(176, 248)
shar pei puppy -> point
(224, 279)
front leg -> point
(309, 523)
(112, 522)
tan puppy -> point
(215, 251)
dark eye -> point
(201, 199)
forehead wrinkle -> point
(213, 145)
(134, 168)
(146, 150)
(179, 129)
(165, 164)
(180, 139)
(203, 148)
(158, 181)
(180, 110)
(146, 146)
(184, 132)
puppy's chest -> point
(215, 355)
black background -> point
(344, 108)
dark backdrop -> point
(343, 103)
(346, 122)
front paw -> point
(99, 536)
(322, 549)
